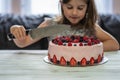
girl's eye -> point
(69, 7)
(80, 8)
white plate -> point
(105, 59)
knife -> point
(44, 31)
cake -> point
(75, 50)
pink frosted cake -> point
(75, 51)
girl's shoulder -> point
(97, 27)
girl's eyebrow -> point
(78, 5)
(81, 5)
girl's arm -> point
(109, 42)
(22, 40)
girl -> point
(81, 15)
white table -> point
(29, 65)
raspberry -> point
(69, 44)
(81, 44)
(60, 43)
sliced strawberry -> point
(73, 62)
(83, 62)
(76, 41)
(62, 61)
(99, 58)
(67, 38)
(48, 56)
(54, 59)
(92, 61)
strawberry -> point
(73, 62)
(62, 61)
(92, 61)
(75, 40)
(83, 62)
(48, 56)
(99, 58)
(67, 38)
(54, 59)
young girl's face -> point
(75, 10)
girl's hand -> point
(18, 31)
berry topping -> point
(81, 40)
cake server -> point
(44, 31)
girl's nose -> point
(74, 12)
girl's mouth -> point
(74, 17)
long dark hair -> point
(89, 20)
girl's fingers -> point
(22, 33)
(19, 32)
(16, 34)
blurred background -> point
(28, 7)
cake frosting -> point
(75, 51)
